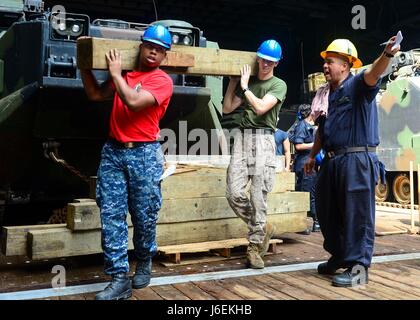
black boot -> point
(326, 268)
(118, 289)
(141, 278)
(316, 227)
(357, 275)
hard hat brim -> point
(157, 42)
(357, 63)
(263, 56)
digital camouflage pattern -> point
(129, 180)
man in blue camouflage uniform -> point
(136, 172)
(345, 191)
(132, 160)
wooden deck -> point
(387, 281)
(390, 280)
(21, 275)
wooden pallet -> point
(221, 248)
(393, 218)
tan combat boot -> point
(269, 232)
(253, 256)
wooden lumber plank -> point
(213, 184)
(386, 232)
(222, 248)
(225, 252)
(168, 292)
(14, 239)
(62, 242)
(206, 246)
(207, 61)
(91, 54)
(83, 215)
(86, 216)
(203, 258)
(193, 292)
(274, 247)
(213, 230)
(217, 62)
(182, 210)
(175, 257)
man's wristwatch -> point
(245, 90)
(386, 54)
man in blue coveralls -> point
(345, 192)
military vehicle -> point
(399, 124)
(399, 130)
(50, 134)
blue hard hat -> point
(158, 34)
(270, 50)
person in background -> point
(302, 137)
(283, 147)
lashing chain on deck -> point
(51, 152)
(70, 168)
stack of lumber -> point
(194, 210)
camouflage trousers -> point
(129, 180)
(253, 159)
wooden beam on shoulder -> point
(180, 59)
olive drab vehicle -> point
(50, 134)
(399, 124)
(399, 130)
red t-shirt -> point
(143, 125)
